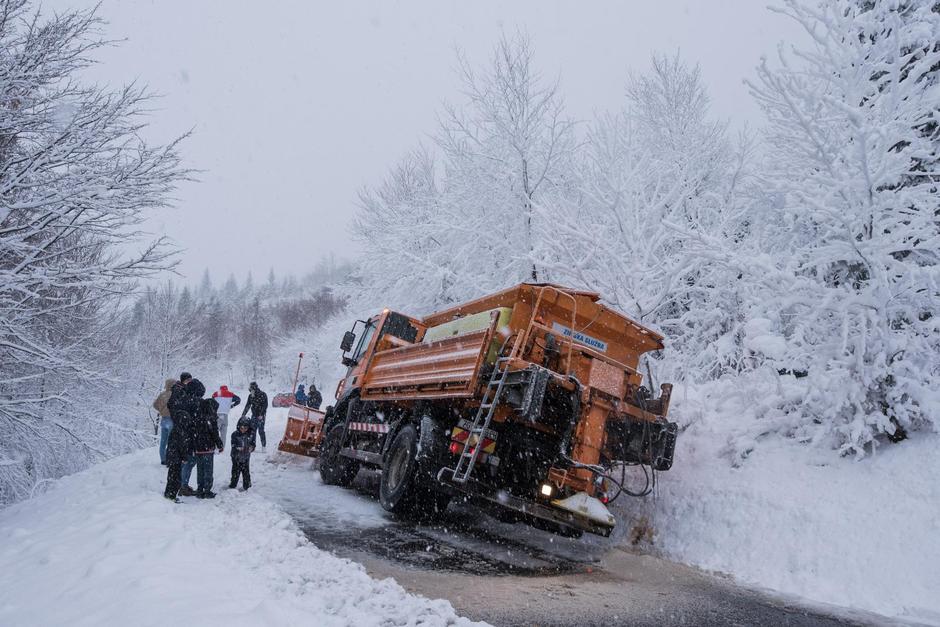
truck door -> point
(387, 323)
(359, 352)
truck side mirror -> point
(348, 338)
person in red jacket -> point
(226, 400)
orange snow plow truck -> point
(527, 402)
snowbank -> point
(104, 548)
(802, 520)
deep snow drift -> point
(797, 518)
(103, 547)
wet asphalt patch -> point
(458, 542)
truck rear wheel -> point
(397, 488)
(334, 468)
(406, 488)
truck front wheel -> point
(334, 468)
(399, 469)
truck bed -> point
(447, 368)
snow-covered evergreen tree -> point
(848, 265)
(205, 285)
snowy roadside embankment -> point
(103, 547)
(802, 520)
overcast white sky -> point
(296, 105)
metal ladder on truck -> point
(481, 422)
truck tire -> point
(432, 502)
(334, 468)
(397, 489)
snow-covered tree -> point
(76, 182)
(507, 148)
(650, 175)
(469, 225)
(205, 285)
(157, 341)
(849, 256)
(404, 239)
(230, 289)
(807, 265)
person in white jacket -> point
(226, 400)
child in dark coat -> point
(243, 443)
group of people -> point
(312, 398)
(193, 428)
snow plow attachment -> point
(304, 431)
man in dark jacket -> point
(178, 450)
(183, 403)
(207, 440)
(243, 443)
(258, 404)
(314, 398)
(183, 397)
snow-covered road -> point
(515, 575)
(103, 547)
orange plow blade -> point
(304, 431)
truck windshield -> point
(364, 340)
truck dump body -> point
(445, 368)
(596, 325)
(525, 400)
(451, 366)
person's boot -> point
(208, 495)
(187, 491)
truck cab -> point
(386, 329)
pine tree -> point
(852, 275)
(205, 285)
